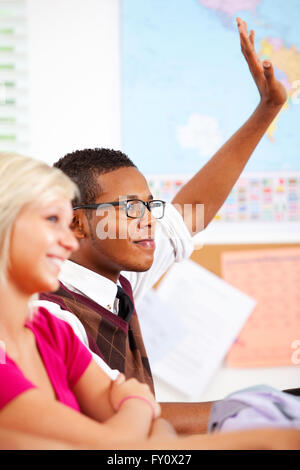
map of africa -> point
(186, 87)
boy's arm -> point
(212, 184)
(187, 418)
(249, 439)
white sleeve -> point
(173, 244)
(78, 329)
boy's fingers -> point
(268, 70)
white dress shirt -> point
(173, 243)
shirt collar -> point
(98, 288)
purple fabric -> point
(260, 406)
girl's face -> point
(41, 240)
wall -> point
(74, 77)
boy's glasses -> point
(135, 208)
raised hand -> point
(271, 90)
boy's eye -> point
(53, 218)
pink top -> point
(64, 356)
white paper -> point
(162, 328)
(204, 316)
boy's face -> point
(111, 242)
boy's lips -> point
(146, 243)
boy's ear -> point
(78, 226)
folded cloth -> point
(259, 406)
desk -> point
(227, 379)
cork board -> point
(210, 255)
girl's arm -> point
(99, 425)
(16, 440)
(251, 439)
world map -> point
(186, 87)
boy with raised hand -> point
(116, 196)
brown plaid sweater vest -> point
(118, 343)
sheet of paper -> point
(272, 277)
(162, 328)
(211, 313)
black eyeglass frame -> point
(125, 203)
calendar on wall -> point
(256, 197)
(13, 76)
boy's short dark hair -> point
(84, 166)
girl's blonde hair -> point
(24, 180)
